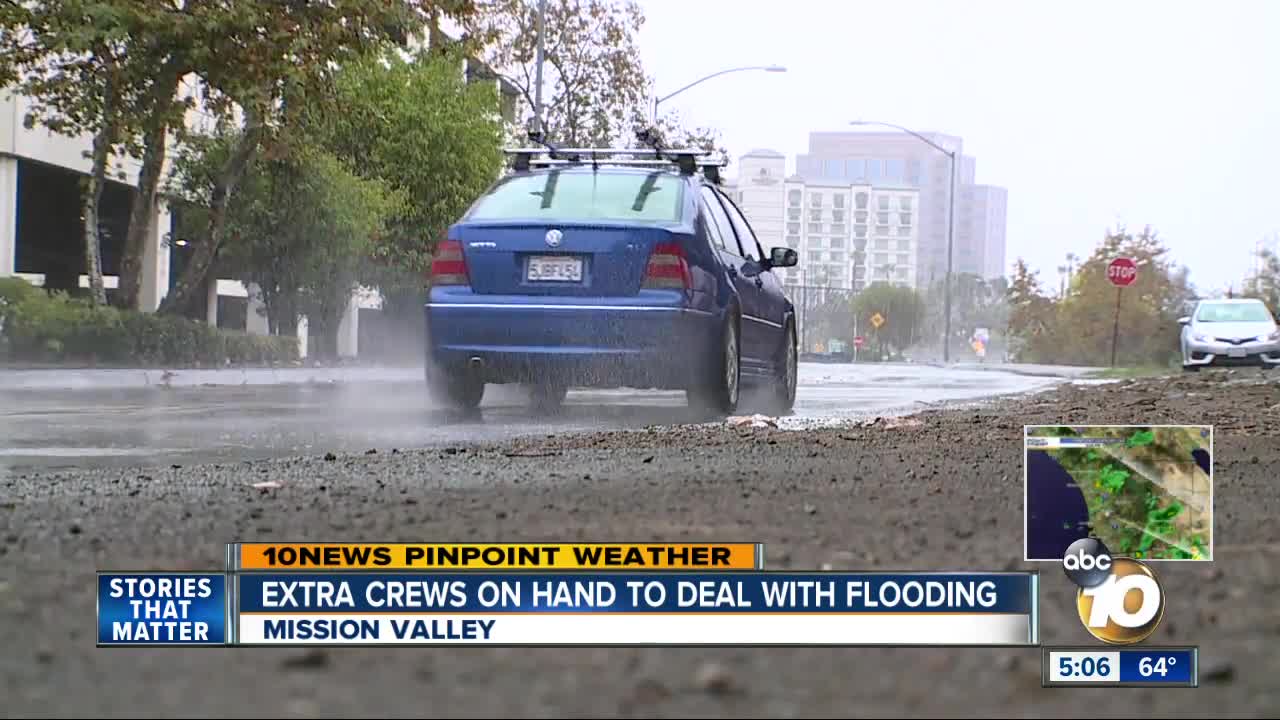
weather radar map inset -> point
(1145, 491)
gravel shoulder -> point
(937, 490)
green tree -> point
(1030, 320)
(902, 310)
(263, 63)
(302, 226)
(88, 67)
(416, 125)
(593, 80)
(1149, 308)
(1265, 285)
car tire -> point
(719, 391)
(459, 390)
(784, 387)
(547, 397)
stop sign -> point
(1122, 272)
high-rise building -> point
(848, 234)
(898, 159)
(980, 231)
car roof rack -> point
(688, 161)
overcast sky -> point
(1091, 113)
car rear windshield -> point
(1234, 312)
(587, 196)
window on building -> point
(815, 242)
(882, 202)
(860, 231)
(902, 273)
(815, 256)
(913, 172)
(793, 215)
(875, 171)
(837, 229)
(860, 201)
(904, 203)
(815, 200)
(882, 259)
(860, 272)
(837, 200)
(794, 228)
(903, 259)
(815, 216)
(860, 215)
(793, 198)
(904, 230)
(793, 241)
(881, 245)
(895, 171)
(837, 242)
(882, 230)
(815, 227)
(837, 215)
(882, 218)
(904, 246)
(837, 256)
(904, 218)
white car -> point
(1230, 332)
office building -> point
(897, 159)
(848, 234)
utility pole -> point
(537, 91)
(951, 234)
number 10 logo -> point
(1126, 607)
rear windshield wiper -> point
(646, 189)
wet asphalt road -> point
(939, 490)
(125, 418)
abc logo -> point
(1120, 600)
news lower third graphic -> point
(1120, 667)
(157, 609)
(1120, 600)
(544, 594)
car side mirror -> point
(783, 257)
(1184, 321)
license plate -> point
(1237, 352)
(554, 269)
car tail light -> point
(668, 268)
(449, 267)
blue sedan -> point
(603, 275)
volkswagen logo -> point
(554, 237)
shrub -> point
(36, 326)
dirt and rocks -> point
(940, 489)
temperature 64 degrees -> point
(1158, 666)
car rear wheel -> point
(453, 388)
(719, 391)
(784, 388)
(547, 397)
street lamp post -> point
(951, 226)
(765, 68)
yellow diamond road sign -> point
(877, 320)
